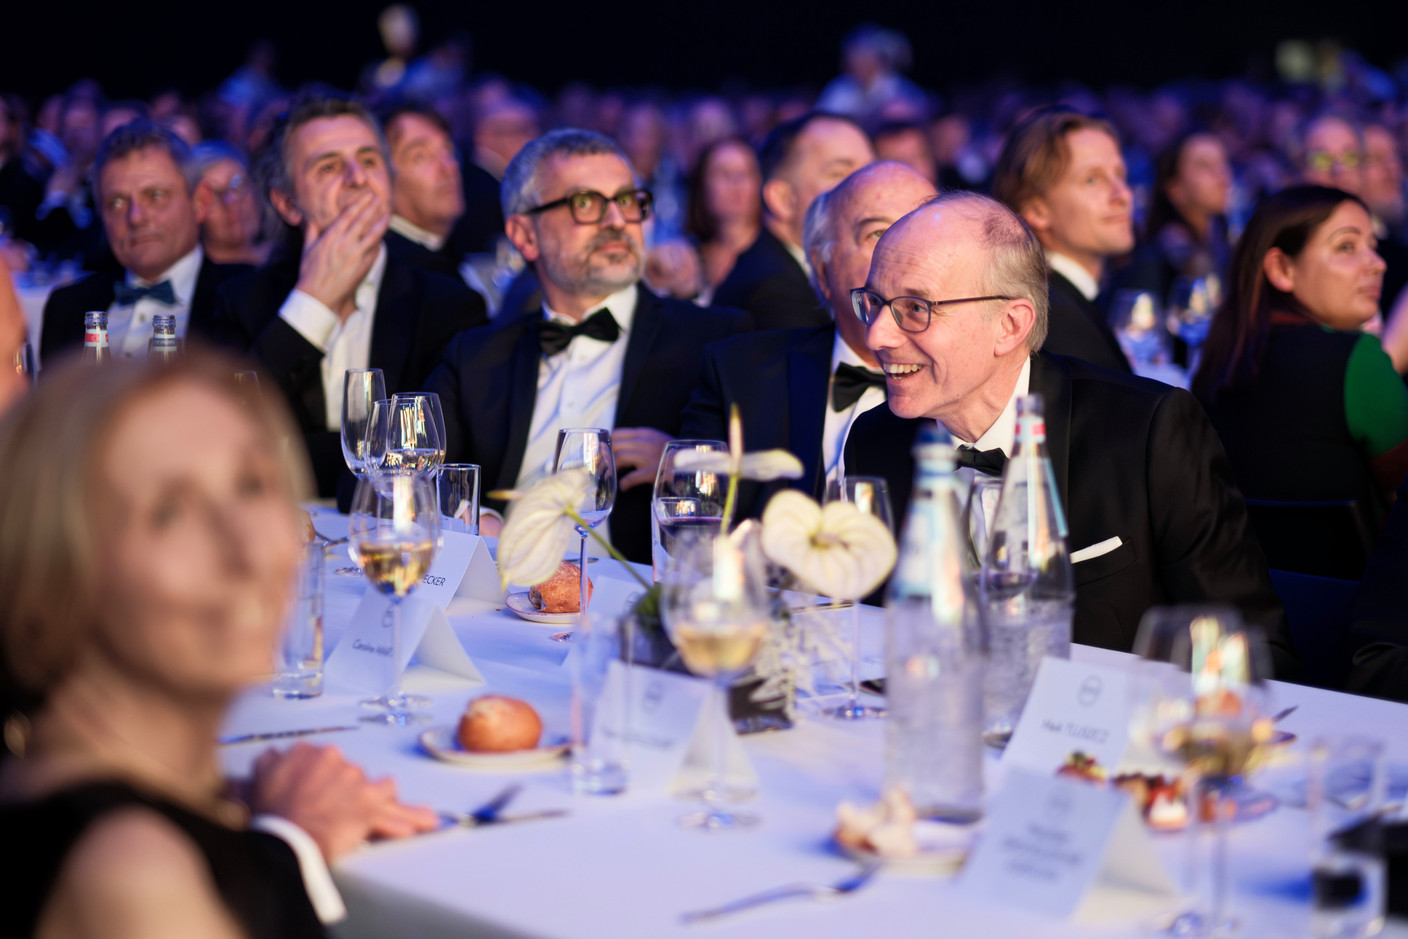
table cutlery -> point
(848, 884)
(1282, 715)
(282, 734)
(472, 821)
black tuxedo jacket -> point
(779, 379)
(415, 254)
(769, 283)
(417, 314)
(63, 313)
(488, 385)
(1137, 460)
(1078, 328)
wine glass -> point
(1134, 315)
(415, 442)
(1200, 699)
(427, 405)
(979, 511)
(587, 449)
(394, 530)
(1192, 301)
(684, 500)
(715, 606)
(361, 388)
(871, 495)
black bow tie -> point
(991, 462)
(127, 295)
(553, 336)
(850, 383)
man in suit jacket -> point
(427, 195)
(800, 160)
(800, 389)
(342, 303)
(574, 211)
(1153, 514)
(145, 194)
(1063, 173)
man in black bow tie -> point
(143, 187)
(603, 352)
(800, 389)
(956, 303)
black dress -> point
(255, 873)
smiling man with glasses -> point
(601, 352)
(955, 306)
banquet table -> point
(621, 867)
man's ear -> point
(1037, 214)
(1279, 270)
(1015, 322)
(204, 198)
(520, 231)
(780, 199)
(289, 212)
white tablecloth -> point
(620, 867)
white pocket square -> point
(1095, 550)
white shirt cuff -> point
(317, 879)
(310, 318)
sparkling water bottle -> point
(95, 338)
(934, 683)
(163, 346)
(1027, 591)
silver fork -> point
(848, 884)
(486, 812)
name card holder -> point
(1072, 707)
(360, 661)
(463, 567)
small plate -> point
(1251, 804)
(942, 850)
(521, 605)
(440, 743)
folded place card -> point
(670, 732)
(362, 660)
(463, 567)
(1058, 847)
(1073, 706)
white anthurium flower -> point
(763, 466)
(540, 528)
(836, 549)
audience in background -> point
(427, 191)
(725, 206)
(232, 228)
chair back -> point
(1328, 539)
(1317, 614)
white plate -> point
(520, 604)
(440, 743)
(942, 850)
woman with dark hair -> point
(725, 206)
(1307, 405)
(148, 538)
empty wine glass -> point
(587, 449)
(715, 606)
(415, 441)
(684, 500)
(361, 388)
(1134, 316)
(1200, 699)
(871, 495)
(394, 530)
(427, 406)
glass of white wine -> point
(715, 607)
(394, 530)
(415, 439)
(427, 409)
(1200, 700)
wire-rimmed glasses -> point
(911, 313)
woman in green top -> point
(1307, 405)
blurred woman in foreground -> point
(148, 537)
(1308, 407)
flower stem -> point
(572, 514)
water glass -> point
(600, 708)
(361, 388)
(299, 661)
(1345, 789)
(459, 497)
(683, 500)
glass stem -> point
(855, 657)
(1219, 858)
(582, 575)
(394, 694)
(714, 790)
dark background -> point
(135, 49)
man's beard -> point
(585, 279)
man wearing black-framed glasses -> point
(601, 352)
(955, 306)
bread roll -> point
(562, 593)
(495, 723)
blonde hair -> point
(51, 447)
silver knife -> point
(283, 734)
(463, 820)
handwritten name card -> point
(363, 659)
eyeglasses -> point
(232, 191)
(1323, 161)
(589, 206)
(911, 313)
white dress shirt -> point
(344, 344)
(404, 226)
(130, 324)
(1002, 435)
(838, 423)
(1088, 286)
(578, 387)
(317, 879)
